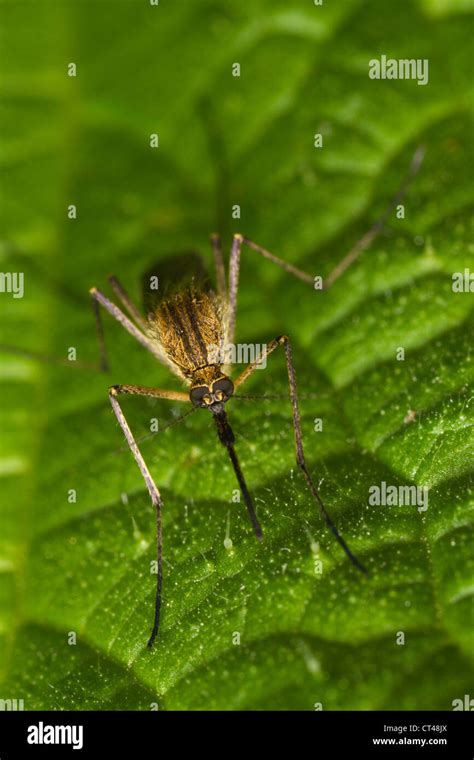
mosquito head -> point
(213, 395)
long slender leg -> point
(234, 269)
(99, 298)
(354, 253)
(283, 340)
(143, 390)
(377, 227)
(99, 327)
(172, 423)
(218, 264)
(156, 393)
(127, 301)
(114, 391)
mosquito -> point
(179, 328)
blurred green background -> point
(83, 567)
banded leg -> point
(155, 495)
(283, 340)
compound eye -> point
(223, 388)
(198, 395)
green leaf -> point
(84, 567)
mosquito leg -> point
(341, 267)
(234, 269)
(157, 503)
(104, 362)
(290, 268)
(126, 301)
(173, 423)
(150, 484)
(377, 227)
(99, 298)
(252, 366)
(283, 340)
(142, 390)
(225, 434)
(219, 264)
